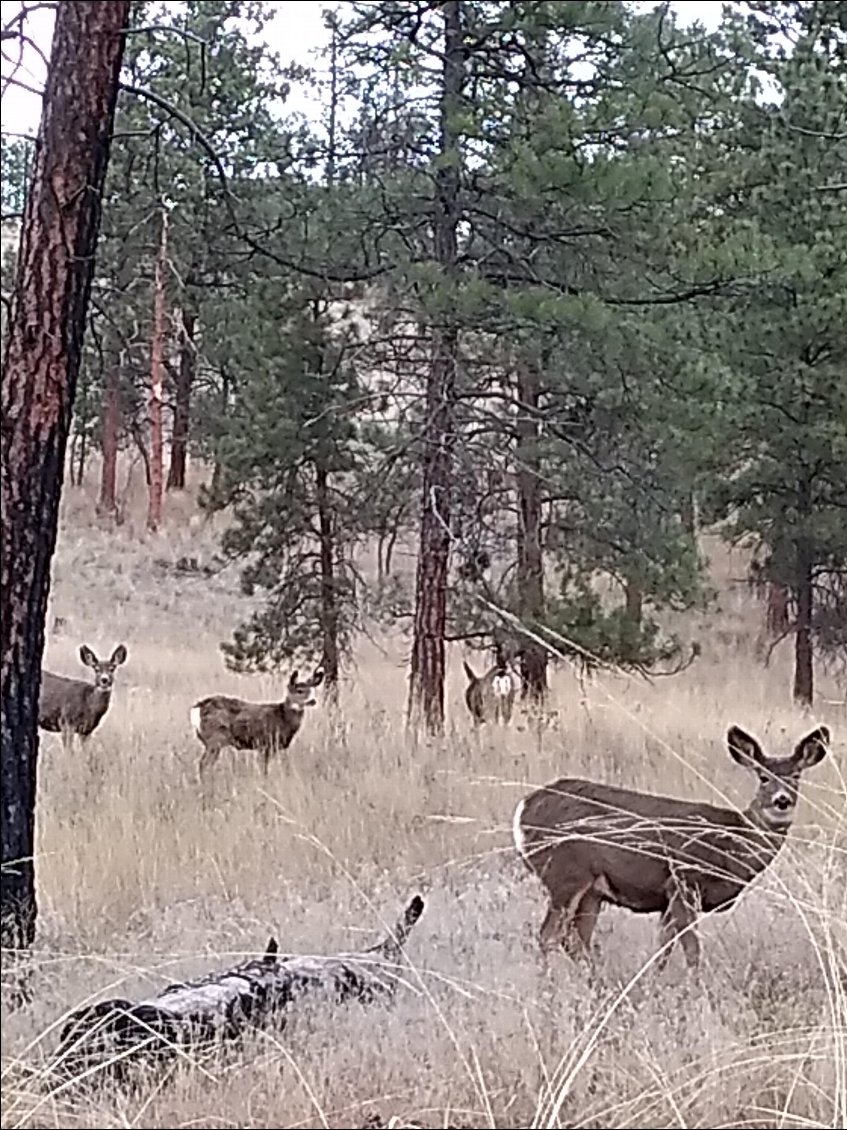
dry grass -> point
(140, 881)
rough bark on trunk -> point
(426, 685)
(329, 596)
(182, 402)
(114, 1035)
(40, 367)
(107, 504)
(530, 564)
(157, 384)
(776, 616)
(804, 674)
(634, 603)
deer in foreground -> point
(592, 844)
(221, 721)
(73, 706)
(490, 697)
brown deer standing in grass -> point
(592, 844)
(490, 697)
(221, 721)
(73, 706)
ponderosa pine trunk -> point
(157, 384)
(182, 402)
(804, 670)
(107, 504)
(40, 368)
(530, 564)
(426, 686)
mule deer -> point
(592, 844)
(221, 721)
(72, 706)
(490, 697)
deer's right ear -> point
(294, 680)
(318, 676)
(744, 749)
(87, 656)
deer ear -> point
(294, 680)
(812, 749)
(744, 749)
(318, 676)
(119, 655)
(87, 656)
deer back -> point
(638, 845)
(245, 725)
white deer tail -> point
(518, 834)
(194, 715)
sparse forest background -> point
(531, 338)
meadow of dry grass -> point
(141, 882)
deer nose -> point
(782, 802)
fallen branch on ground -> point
(192, 1015)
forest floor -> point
(141, 881)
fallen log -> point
(115, 1035)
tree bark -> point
(776, 616)
(115, 1035)
(40, 368)
(530, 564)
(426, 686)
(157, 384)
(804, 673)
(634, 603)
(329, 596)
(182, 402)
(107, 504)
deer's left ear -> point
(812, 749)
(119, 655)
(318, 676)
(294, 680)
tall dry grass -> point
(140, 882)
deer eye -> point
(765, 778)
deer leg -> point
(678, 923)
(584, 921)
(552, 929)
(266, 759)
(67, 740)
(210, 755)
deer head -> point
(300, 694)
(104, 669)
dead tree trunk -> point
(157, 384)
(115, 1035)
(329, 595)
(40, 367)
(182, 402)
(530, 565)
(426, 687)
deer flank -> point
(592, 844)
(222, 721)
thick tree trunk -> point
(107, 503)
(157, 384)
(115, 1035)
(182, 402)
(776, 616)
(804, 674)
(329, 595)
(530, 565)
(426, 687)
(40, 367)
(634, 603)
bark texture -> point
(530, 571)
(157, 384)
(182, 402)
(40, 367)
(426, 688)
